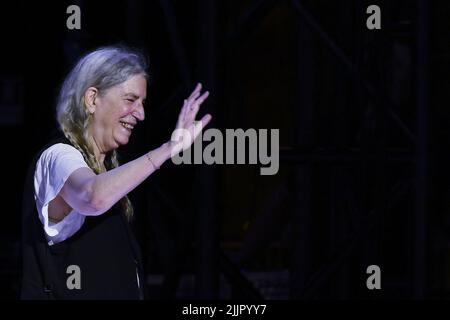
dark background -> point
(364, 141)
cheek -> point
(125, 110)
(117, 113)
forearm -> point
(108, 188)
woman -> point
(77, 243)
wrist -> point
(153, 160)
(158, 156)
(166, 149)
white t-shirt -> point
(53, 168)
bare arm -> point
(92, 194)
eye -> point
(130, 100)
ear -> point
(89, 99)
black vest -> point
(104, 249)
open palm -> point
(187, 128)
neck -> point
(99, 155)
(98, 152)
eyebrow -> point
(134, 96)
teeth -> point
(126, 125)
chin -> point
(121, 138)
(121, 141)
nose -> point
(139, 112)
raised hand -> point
(187, 128)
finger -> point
(182, 114)
(202, 98)
(196, 104)
(193, 109)
(184, 110)
(205, 120)
(196, 91)
(194, 96)
(200, 125)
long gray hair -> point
(102, 68)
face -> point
(116, 112)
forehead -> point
(135, 85)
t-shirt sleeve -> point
(53, 168)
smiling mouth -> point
(127, 125)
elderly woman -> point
(77, 242)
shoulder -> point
(60, 149)
(60, 157)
